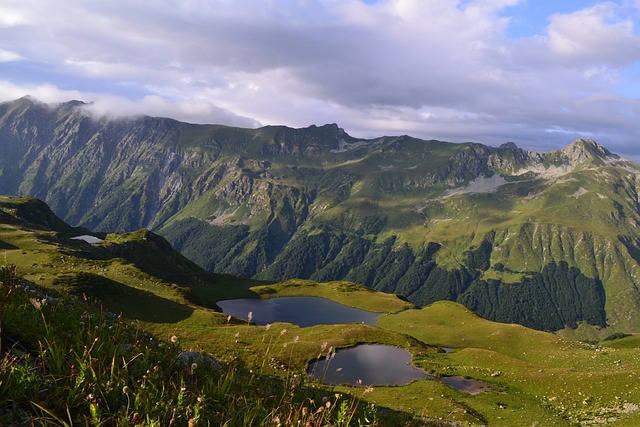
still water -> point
(301, 311)
(377, 364)
(372, 364)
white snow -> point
(580, 192)
(480, 185)
(89, 239)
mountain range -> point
(547, 240)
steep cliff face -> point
(542, 239)
(128, 173)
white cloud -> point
(434, 69)
(595, 35)
(10, 17)
(44, 92)
(191, 110)
(8, 56)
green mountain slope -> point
(533, 377)
(546, 240)
(137, 273)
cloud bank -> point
(434, 69)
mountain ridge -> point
(425, 219)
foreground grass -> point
(66, 362)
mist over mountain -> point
(547, 240)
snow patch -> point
(87, 238)
(580, 192)
(480, 185)
(549, 172)
(344, 146)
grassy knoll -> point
(77, 344)
(282, 351)
(535, 377)
(343, 292)
(568, 381)
(65, 362)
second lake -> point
(368, 364)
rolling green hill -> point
(547, 240)
(65, 359)
(136, 273)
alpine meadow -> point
(516, 269)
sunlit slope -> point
(579, 382)
(533, 376)
(137, 273)
(547, 240)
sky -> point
(539, 73)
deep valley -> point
(526, 265)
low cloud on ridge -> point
(434, 69)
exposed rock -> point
(188, 358)
(396, 213)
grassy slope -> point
(66, 362)
(161, 307)
(535, 376)
(346, 293)
(568, 380)
(235, 174)
(534, 223)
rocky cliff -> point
(548, 240)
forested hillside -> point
(548, 240)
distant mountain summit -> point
(548, 240)
(583, 150)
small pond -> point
(377, 364)
(301, 311)
(465, 384)
(87, 238)
(373, 364)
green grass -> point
(534, 376)
(626, 342)
(254, 388)
(64, 361)
(343, 292)
(539, 374)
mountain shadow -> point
(119, 298)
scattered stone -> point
(188, 358)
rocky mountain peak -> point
(582, 150)
(73, 104)
(29, 100)
(509, 146)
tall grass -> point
(64, 361)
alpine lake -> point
(363, 364)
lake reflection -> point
(301, 311)
(373, 364)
